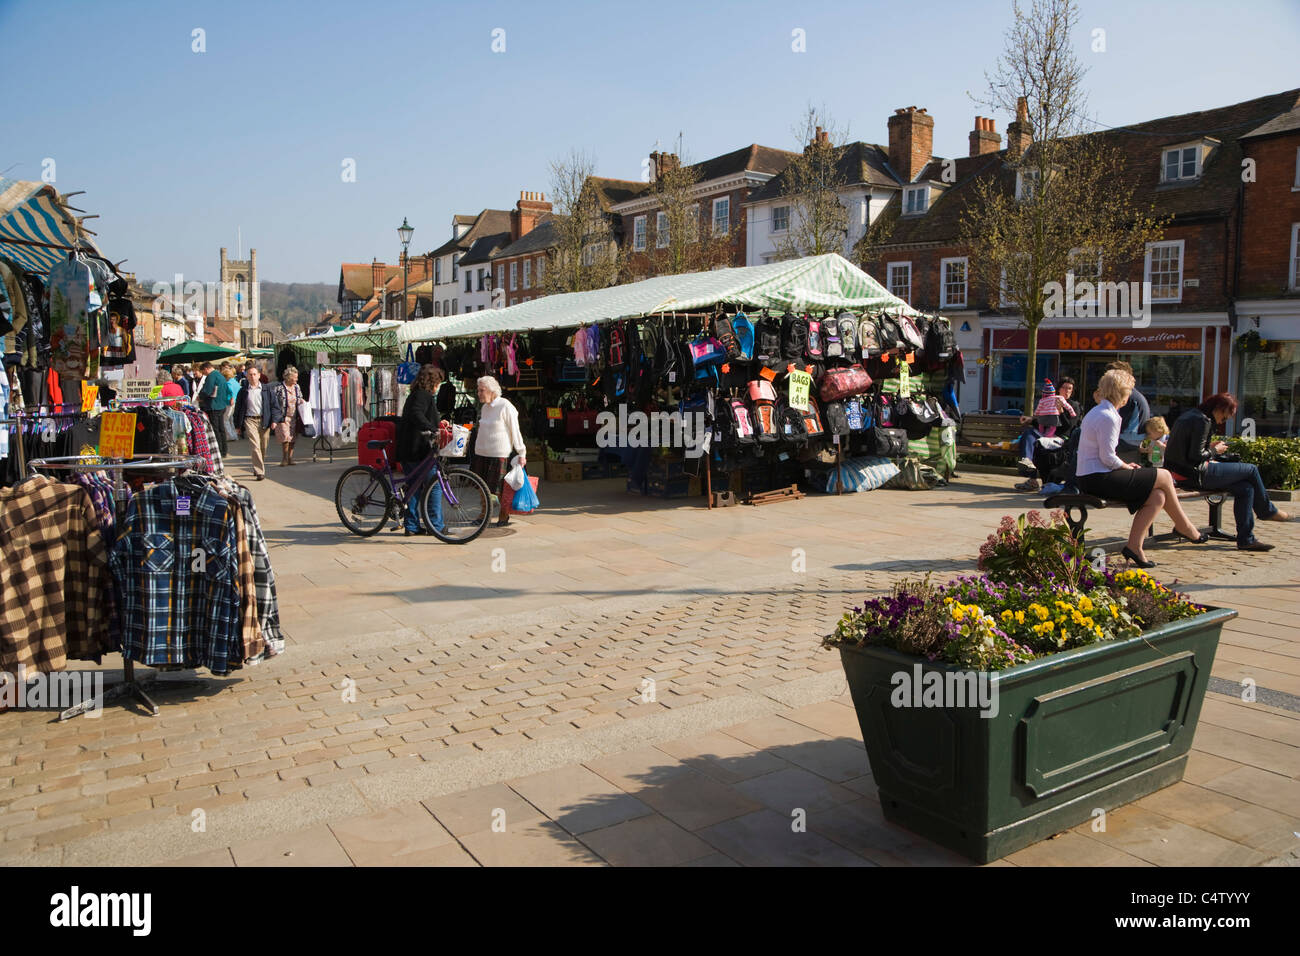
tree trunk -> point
(1031, 369)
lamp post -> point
(404, 232)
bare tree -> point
(819, 221)
(679, 244)
(586, 254)
(1062, 208)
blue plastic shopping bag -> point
(525, 499)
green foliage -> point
(1278, 459)
(1037, 551)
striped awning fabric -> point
(814, 284)
(36, 229)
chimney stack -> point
(530, 208)
(911, 141)
(661, 163)
(376, 275)
(1019, 134)
(984, 138)
(820, 138)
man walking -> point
(213, 399)
(253, 418)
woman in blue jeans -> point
(1190, 456)
(419, 423)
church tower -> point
(240, 298)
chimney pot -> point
(911, 141)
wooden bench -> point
(981, 429)
(1072, 501)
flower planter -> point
(1096, 727)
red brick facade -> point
(1271, 209)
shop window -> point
(722, 216)
(661, 230)
(952, 283)
(1268, 388)
(1164, 270)
(899, 279)
(638, 234)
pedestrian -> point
(420, 416)
(213, 399)
(232, 392)
(180, 375)
(1101, 472)
(171, 387)
(253, 419)
(1192, 459)
(1135, 411)
(495, 436)
(286, 400)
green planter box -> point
(1093, 728)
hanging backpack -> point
(790, 424)
(910, 335)
(812, 420)
(855, 414)
(741, 421)
(815, 352)
(848, 327)
(762, 401)
(939, 341)
(744, 331)
(722, 328)
(888, 334)
(869, 337)
(767, 344)
(837, 418)
(833, 348)
(616, 346)
(884, 412)
(794, 337)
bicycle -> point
(367, 498)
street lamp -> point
(404, 232)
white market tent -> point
(813, 284)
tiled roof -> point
(754, 158)
(486, 223)
(540, 238)
(858, 164)
(485, 247)
(614, 191)
(1214, 194)
(356, 280)
(1286, 123)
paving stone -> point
(314, 846)
(404, 836)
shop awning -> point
(379, 337)
(815, 283)
(192, 350)
(37, 230)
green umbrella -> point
(193, 350)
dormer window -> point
(1182, 163)
(916, 200)
(1026, 183)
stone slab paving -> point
(612, 714)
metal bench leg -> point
(1216, 519)
(1078, 526)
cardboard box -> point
(563, 471)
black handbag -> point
(889, 442)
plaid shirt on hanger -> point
(176, 577)
(52, 577)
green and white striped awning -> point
(378, 338)
(814, 284)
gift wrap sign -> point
(116, 435)
(800, 384)
(136, 388)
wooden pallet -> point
(791, 493)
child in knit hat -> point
(1048, 411)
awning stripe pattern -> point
(36, 231)
(815, 283)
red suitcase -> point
(380, 430)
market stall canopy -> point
(37, 228)
(378, 336)
(192, 350)
(815, 284)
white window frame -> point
(437, 308)
(1198, 150)
(514, 276)
(638, 234)
(1296, 187)
(528, 273)
(455, 267)
(455, 310)
(1078, 253)
(908, 193)
(661, 229)
(889, 279)
(943, 283)
(726, 231)
(785, 220)
(541, 264)
(1021, 176)
(1294, 284)
(693, 218)
(501, 277)
(469, 280)
(1182, 262)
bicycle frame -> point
(407, 485)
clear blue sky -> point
(177, 149)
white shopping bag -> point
(516, 477)
(458, 444)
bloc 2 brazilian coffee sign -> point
(1101, 340)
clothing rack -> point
(323, 444)
(130, 686)
(22, 415)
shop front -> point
(1266, 367)
(1175, 367)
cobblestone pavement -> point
(430, 691)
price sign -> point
(904, 380)
(800, 384)
(322, 358)
(156, 392)
(363, 361)
(117, 435)
(89, 394)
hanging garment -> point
(73, 298)
(52, 577)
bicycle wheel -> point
(363, 500)
(465, 511)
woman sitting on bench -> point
(1195, 463)
(1101, 472)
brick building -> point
(1187, 168)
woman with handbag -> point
(286, 400)
(495, 436)
(414, 441)
(1192, 458)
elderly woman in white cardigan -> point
(495, 436)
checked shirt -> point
(177, 580)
